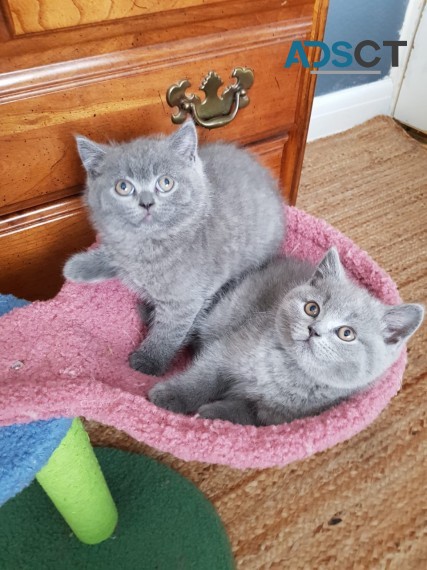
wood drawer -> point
(129, 101)
(44, 15)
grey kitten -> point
(289, 341)
(175, 224)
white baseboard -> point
(336, 112)
(409, 29)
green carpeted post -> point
(73, 480)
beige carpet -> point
(363, 504)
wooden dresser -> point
(103, 69)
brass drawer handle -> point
(215, 110)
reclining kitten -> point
(290, 341)
(175, 224)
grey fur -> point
(223, 216)
(261, 364)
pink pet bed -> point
(69, 357)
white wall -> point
(341, 110)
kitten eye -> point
(165, 184)
(346, 333)
(124, 187)
(312, 308)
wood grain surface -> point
(361, 505)
(147, 29)
(37, 133)
(29, 16)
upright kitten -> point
(289, 341)
(175, 224)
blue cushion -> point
(25, 449)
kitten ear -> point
(330, 266)
(401, 322)
(184, 141)
(91, 154)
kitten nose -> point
(312, 331)
(146, 206)
(146, 200)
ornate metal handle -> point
(215, 110)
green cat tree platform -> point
(165, 523)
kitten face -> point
(156, 184)
(320, 342)
(340, 335)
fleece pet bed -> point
(69, 356)
(58, 453)
(165, 523)
(25, 449)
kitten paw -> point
(75, 270)
(234, 412)
(88, 267)
(142, 362)
(166, 396)
(208, 412)
(214, 411)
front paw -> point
(208, 412)
(142, 362)
(215, 411)
(167, 396)
(88, 267)
(75, 268)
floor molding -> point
(341, 110)
(408, 31)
